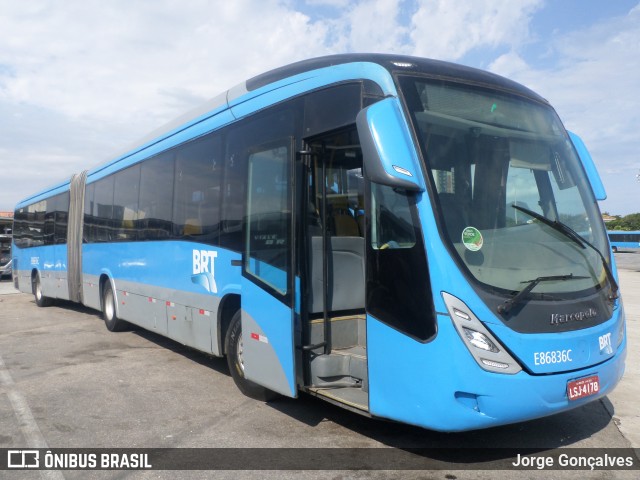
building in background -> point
(6, 221)
(6, 224)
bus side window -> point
(88, 231)
(49, 220)
(62, 219)
(156, 198)
(392, 225)
(125, 209)
(398, 293)
(233, 193)
(197, 187)
(103, 209)
(269, 216)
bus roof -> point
(394, 63)
(272, 79)
(391, 63)
(59, 187)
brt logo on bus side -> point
(203, 269)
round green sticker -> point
(472, 239)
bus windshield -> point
(493, 159)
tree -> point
(628, 222)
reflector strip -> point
(171, 304)
(260, 338)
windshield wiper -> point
(513, 301)
(574, 236)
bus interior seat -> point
(345, 225)
(192, 226)
(346, 274)
(343, 222)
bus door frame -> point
(268, 313)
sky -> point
(81, 80)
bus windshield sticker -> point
(472, 239)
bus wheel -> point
(111, 320)
(234, 348)
(41, 300)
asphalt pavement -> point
(66, 382)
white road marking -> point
(32, 434)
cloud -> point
(370, 26)
(594, 84)
(143, 61)
(109, 72)
(511, 65)
(342, 4)
(128, 63)
(82, 79)
(449, 30)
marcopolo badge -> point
(472, 239)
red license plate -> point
(583, 387)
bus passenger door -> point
(267, 269)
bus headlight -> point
(480, 340)
(482, 345)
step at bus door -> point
(268, 258)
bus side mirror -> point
(589, 166)
(389, 154)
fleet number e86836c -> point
(551, 357)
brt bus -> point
(623, 239)
(406, 238)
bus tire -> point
(111, 320)
(41, 300)
(233, 347)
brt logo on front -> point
(605, 344)
(203, 269)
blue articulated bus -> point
(406, 238)
(624, 239)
